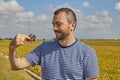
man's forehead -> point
(59, 16)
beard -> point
(61, 35)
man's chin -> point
(58, 38)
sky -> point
(96, 19)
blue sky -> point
(97, 19)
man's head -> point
(64, 23)
(70, 15)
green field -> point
(108, 52)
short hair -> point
(69, 12)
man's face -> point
(61, 26)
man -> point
(65, 58)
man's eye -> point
(58, 24)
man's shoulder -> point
(85, 47)
(50, 43)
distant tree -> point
(1, 38)
(8, 38)
(43, 39)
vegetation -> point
(7, 74)
(108, 52)
(22, 50)
(4, 46)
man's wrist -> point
(12, 48)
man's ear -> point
(73, 25)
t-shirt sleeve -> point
(91, 65)
(34, 57)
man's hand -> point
(16, 62)
(19, 40)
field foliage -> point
(7, 74)
(108, 52)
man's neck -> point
(67, 41)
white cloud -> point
(14, 6)
(25, 14)
(92, 25)
(10, 6)
(19, 21)
(52, 8)
(101, 20)
(14, 20)
(65, 5)
(86, 5)
(117, 7)
(105, 13)
(106, 17)
(42, 17)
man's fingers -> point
(19, 39)
(22, 37)
(30, 38)
(27, 38)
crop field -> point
(108, 52)
(7, 74)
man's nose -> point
(55, 27)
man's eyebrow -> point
(56, 22)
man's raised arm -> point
(16, 62)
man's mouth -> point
(57, 32)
